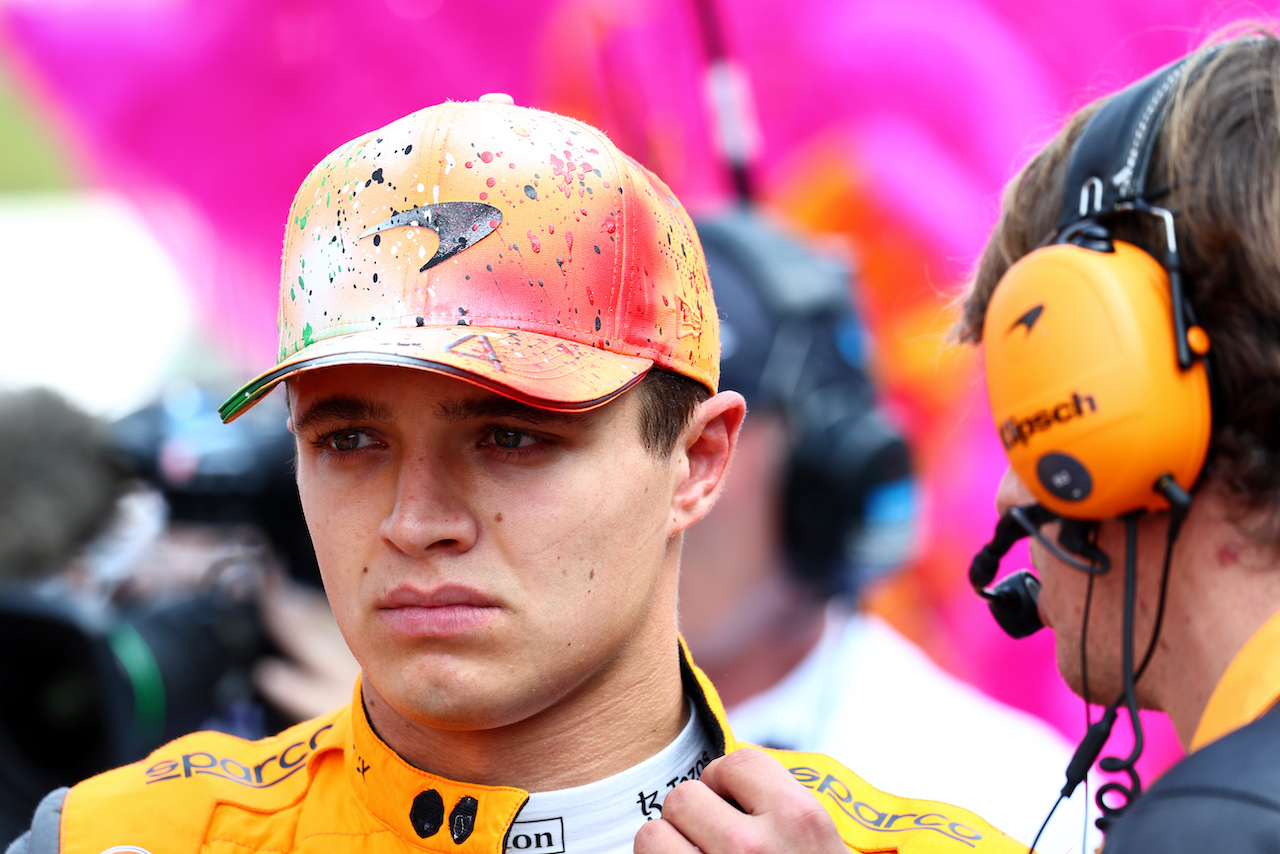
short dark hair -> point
(667, 402)
(1219, 154)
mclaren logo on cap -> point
(459, 225)
(1028, 319)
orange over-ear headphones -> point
(1096, 371)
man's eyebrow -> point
(502, 407)
(341, 408)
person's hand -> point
(320, 671)
(776, 813)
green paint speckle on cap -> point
(302, 222)
(307, 340)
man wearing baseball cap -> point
(501, 350)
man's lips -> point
(438, 612)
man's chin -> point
(1069, 668)
(461, 713)
(1043, 614)
(1101, 693)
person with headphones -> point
(822, 499)
(1129, 307)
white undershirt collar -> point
(604, 816)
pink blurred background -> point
(888, 127)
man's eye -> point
(346, 441)
(509, 438)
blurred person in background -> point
(60, 479)
(1128, 304)
(821, 502)
(133, 554)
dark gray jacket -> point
(1223, 797)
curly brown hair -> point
(1218, 152)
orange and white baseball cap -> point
(513, 248)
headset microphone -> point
(1013, 604)
(1013, 600)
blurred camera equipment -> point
(125, 622)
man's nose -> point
(1012, 492)
(430, 513)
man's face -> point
(484, 559)
(1065, 589)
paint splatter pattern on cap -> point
(512, 247)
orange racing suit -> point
(332, 783)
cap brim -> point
(541, 370)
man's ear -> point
(707, 444)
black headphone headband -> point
(1112, 156)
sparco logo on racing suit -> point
(867, 815)
(264, 774)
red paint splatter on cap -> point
(486, 156)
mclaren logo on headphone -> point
(459, 224)
(1028, 318)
